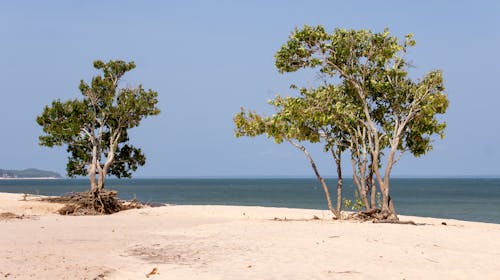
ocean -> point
(464, 199)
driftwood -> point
(398, 222)
(314, 218)
(88, 203)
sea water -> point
(465, 199)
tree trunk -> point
(102, 179)
(388, 206)
(373, 187)
(338, 162)
(388, 209)
(360, 181)
(364, 196)
(364, 185)
(94, 187)
(103, 172)
(318, 176)
(355, 174)
(373, 191)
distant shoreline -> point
(30, 178)
(29, 173)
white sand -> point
(229, 242)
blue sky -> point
(208, 58)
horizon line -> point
(484, 176)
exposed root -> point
(374, 215)
(378, 216)
(89, 203)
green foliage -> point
(358, 202)
(324, 113)
(95, 126)
(378, 199)
(372, 70)
(347, 203)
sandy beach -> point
(236, 242)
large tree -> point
(95, 127)
(398, 113)
(367, 103)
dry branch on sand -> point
(12, 216)
(374, 215)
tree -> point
(285, 125)
(398, 114)
(325, 111)
(314, 116)
(95, 127)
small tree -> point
(95, 127)
(310, 117)
(326, 111)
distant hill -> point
(28, 173)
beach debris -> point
(397, 222)
(100, 276)
(344, 272)
(431, 260)
(285, 219)
(153, 272)
(8, 216)
(87, 203)
(12, 216)
(444, 223)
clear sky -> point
(208, 58)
